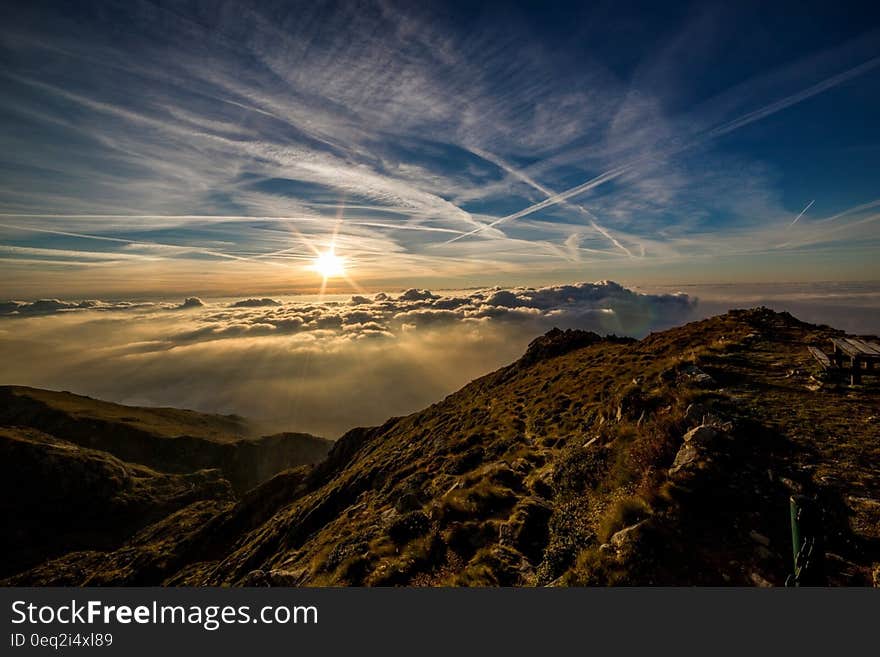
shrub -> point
(480, 501)
(623, 513)
(579, 469)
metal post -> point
(808, 551)
(794, 508)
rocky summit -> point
(669, 460)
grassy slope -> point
(166, 422)
(557, 470)
(167, 439)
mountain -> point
(166, 439)
(591, 460)
(60, 497)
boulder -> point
(702, 436)
(699, 449)
(687, 458)
(695, 375)
(625, 536)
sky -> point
(170, 149)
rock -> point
(286, 578)
(702, 436)
(760, 581)
(255, 578)
(687, 458)
(875, 576)
(626, 535)
(699, 450)
(695, 375)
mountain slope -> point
(59, 497)
(668, 460)
(25, 406)
(166, 439)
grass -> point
(167, 422)
(623, 513)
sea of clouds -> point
(302, 364)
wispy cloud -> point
(718, 131)
(233, 144)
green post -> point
(806, 542)
(794, 509)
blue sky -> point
(151, 148)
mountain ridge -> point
(167, 439)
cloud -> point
(254, 303)
(191, 302)
(52, 306)
(604, 306)
(416, 295)
(205, 160)
(324, 367)
(305, 365)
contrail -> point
(602, 178)
(718, 131)
(857, 208)
(549, 193)
(120, 240)
(809, 205)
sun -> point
(329, 265)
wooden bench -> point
(821, 358)
(858, 352)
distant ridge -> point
(167, 439)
